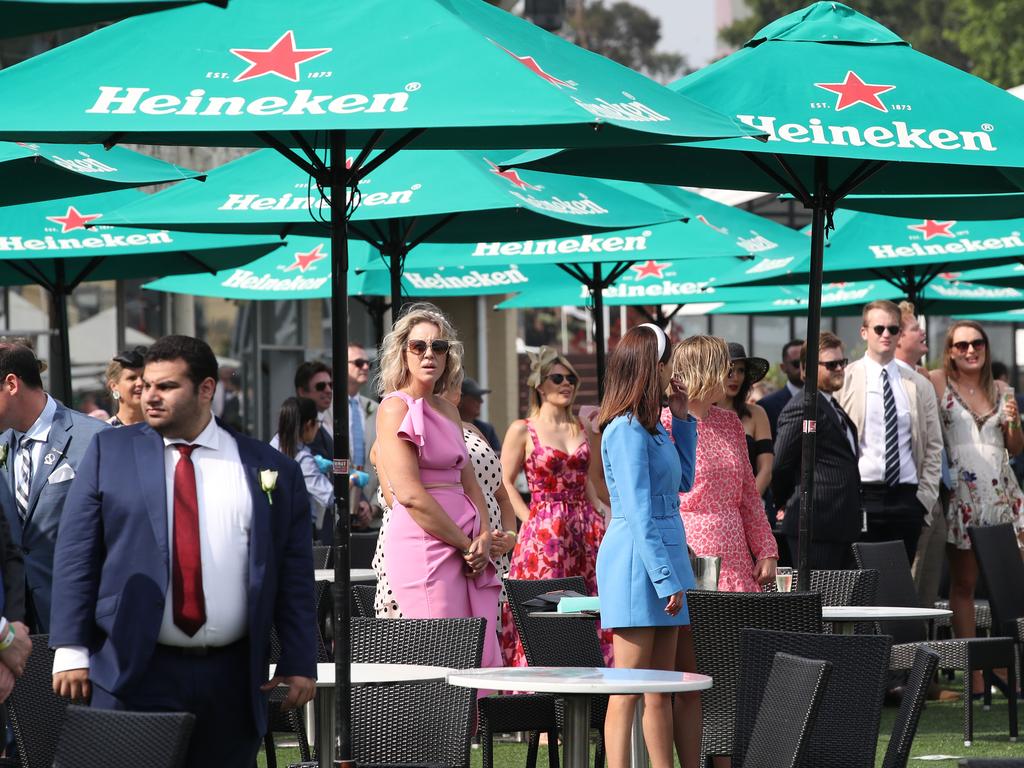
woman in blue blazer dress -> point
(642, 566)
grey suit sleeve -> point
(13, 574)
(931, 464)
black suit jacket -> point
(836, 504)
(323, 444)
(773, 405)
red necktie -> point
(187, 565)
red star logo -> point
(304, 261)
(650, 269)
(73, 220)
(703, 220)
(949, 275)
(931, 228)
(512, 177)
(853, 90)
(837, 285)
(531, 64)
(281, 59)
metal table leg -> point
(637, 745)
(577, 731)
(324, 739)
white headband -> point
(662, 338)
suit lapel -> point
(149, 459)
(53, 450)
(259, 534)
(9, 466)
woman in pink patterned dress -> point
(562, 527)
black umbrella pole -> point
(811, 383)
(61, 384)
(395, 273)
(342, 524)
(598, 291)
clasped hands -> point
(478, 554)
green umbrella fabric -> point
(437, 195)
(32, 172)
(473, 74)
(1005, 206)
(26, 17)
(1013, 316)
(1003, 274)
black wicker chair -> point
(1003, 574)
(896, 588)
(788, 711)
(716, 619)
(36, 713)
(362, 545)
(846, 735)
(421, 723)
(97, 738)
(841, 587)
(926, 661)
(362, 599)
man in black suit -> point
(790, 366)
(836, 517)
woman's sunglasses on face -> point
(962, 346)
(834, 365)
(558, 378)
(438, 346)
(735, 370)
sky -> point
(687, 27)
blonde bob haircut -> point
(393, 370)
(541, 363)
(701, 363)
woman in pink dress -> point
(437, 551)
(562, 527)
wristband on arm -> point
(7, 634)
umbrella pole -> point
(339, 183)
(598, 292)
(62, 384)
(810, 393)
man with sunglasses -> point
(836, 511)
(362, 431)
(313, 379)
(896, 416)
(790, 366)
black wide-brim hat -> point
(757, 367)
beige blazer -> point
(925, 432)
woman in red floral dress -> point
(562, 527)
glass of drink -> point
(783, 579)
(1010, 397)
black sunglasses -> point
(894, 330)
(962, 346)
(320, 386)
(558, 378)
(360, 362)
(834, 365)
(438, 346)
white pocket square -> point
(61, 473)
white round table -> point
(845, 617)
(355, 574)
(576, 685)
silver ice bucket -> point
(706, 569)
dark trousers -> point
(894, 514)
(215, 688)
(824, 555)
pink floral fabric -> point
(723, 513)
(562, 536)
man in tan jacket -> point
(896, 416)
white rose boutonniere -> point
(268, 482)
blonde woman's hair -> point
(393, 370)
(541, 363)
(701, 363)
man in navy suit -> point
(40, 450)
(182, 543)
(790, 366)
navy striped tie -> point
(892, 441)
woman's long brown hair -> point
(631, 383)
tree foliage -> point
(991, 35)
(627, 34)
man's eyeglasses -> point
(320, 386)
(438, 346)
(558, 378)
(962, 346)
(834, 365)
(894, 330)
(360, 362)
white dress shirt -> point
(225, 522)
(326, 419)
(39, 432)
(872, 438)
(794, 390)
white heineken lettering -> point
(974, 292)
(250, 281)
(99, 240)
(627, 111)
(756, 244)
(897, 134)
(120, 100)
(584, 206)
(237, 201)
(82, 164)
(584, 244)
(666, 288)
(768, 265)
(963, 245)
(471, 279)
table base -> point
(576, 737)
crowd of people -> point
(156, 549)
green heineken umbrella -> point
(32, 172)
(49, 243)
(849, 107)
(1003, 274)
(1009, 205)
(1013, 316)
(26, 17)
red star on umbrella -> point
(853, 90)
(531, 64)
(649, 269)
(304, 261)
(73, 220)
(512, 177)
(281, 59)
(837, 285)
(931, 228)
(949, 275)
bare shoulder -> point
(442, 406)
(392, 409)
(760, 418)
(516, 430)
(938, 379)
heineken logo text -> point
(896, 135)
(250, 281)
(288, 202)
(962, 245)
(104, 240)
(584, 244)
(471, 279)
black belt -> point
(201, 650)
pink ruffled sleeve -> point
(411, 428)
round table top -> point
(355, 574)
(880, 612)
(380, 674)
(565, 614)
(596, 680)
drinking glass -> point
(783, 579)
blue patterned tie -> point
(358, 438)
(23, 484)
(892, 442)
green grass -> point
(939, 733)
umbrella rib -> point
(305, 146)
(802, 193)
(357, 164)
(432, 230)
(274, 143)
(799, 194)
(89, 269)
(617, 271)
(577, 272)
(387, 153)
(196, 260)
(378, 244)
(864, 171)
(33, 273)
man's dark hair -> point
(305, 373)
(21, 361)
(999, 369)
(201, 362)
(789, 345)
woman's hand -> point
(502, 542)
(678, 399)
(675, 604)
(1011, 412)
(479, 552)
(764, 570)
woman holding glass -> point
(643, 569)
